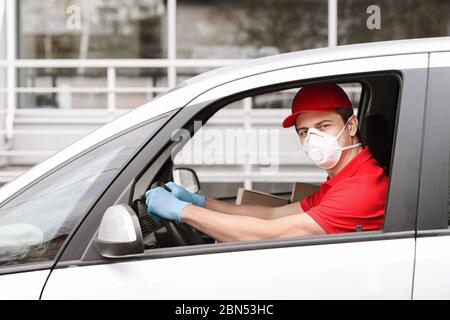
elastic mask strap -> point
(342, 130)
(351, 146)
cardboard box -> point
(301, 190)
(245, 196)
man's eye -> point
(323, 126)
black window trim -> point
(27, 267)
(405, 223)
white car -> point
(74, 226)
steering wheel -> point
(181, 234)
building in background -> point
(69, 66)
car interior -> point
(377, 113)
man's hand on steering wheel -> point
(164, 204)
(184, 195)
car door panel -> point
(23, 285)
(431, 279)
(363, 270)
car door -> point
(431, 277)
(361, 265)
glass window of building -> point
(400, 19)
(99, 29)
(83, 29)
(249, 28)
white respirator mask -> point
(323, 148)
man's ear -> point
(353, 125)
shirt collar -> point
(349, 170)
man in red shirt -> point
(353, 196)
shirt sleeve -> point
(350, 203)
(310, 201)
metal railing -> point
(111, 89)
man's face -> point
(329, 122)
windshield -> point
(34, 225)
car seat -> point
(378, 137)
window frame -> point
(403, 225)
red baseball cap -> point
(317, 98)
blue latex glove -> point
(182, 194)
(164, 204)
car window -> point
(34, 225)
(244, 145)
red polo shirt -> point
(355, 196)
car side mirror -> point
(119, 233)
(186, 178)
